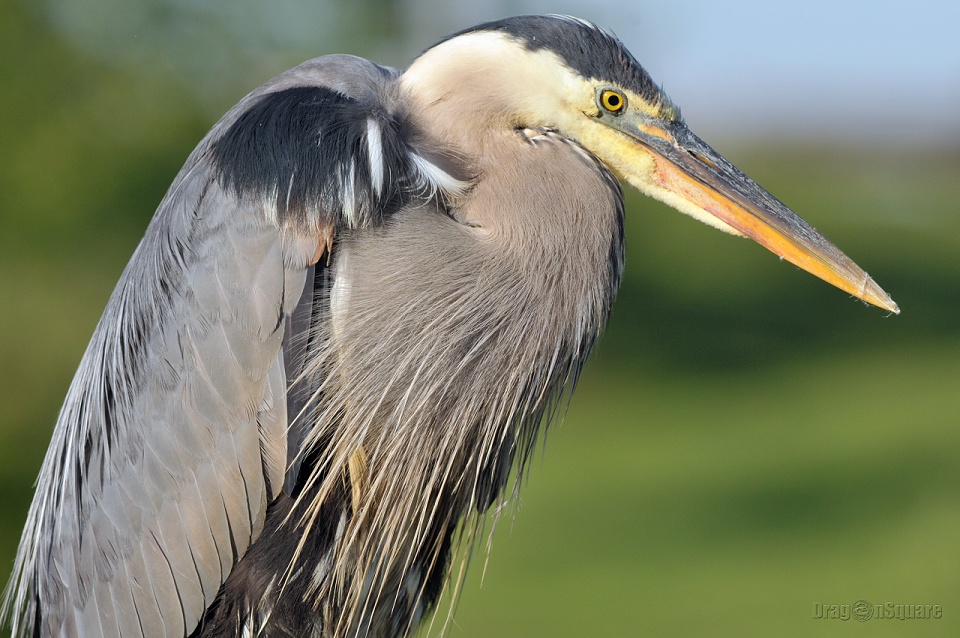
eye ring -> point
(612, 100)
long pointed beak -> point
(687, 167)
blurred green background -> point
(747, 442)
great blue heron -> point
(354, 308)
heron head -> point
(569, 76)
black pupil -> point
(613, 100)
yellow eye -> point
(613, 100)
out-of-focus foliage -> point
(746, 443)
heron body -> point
(358, 302)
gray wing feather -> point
(177, 458)
(173, 438)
